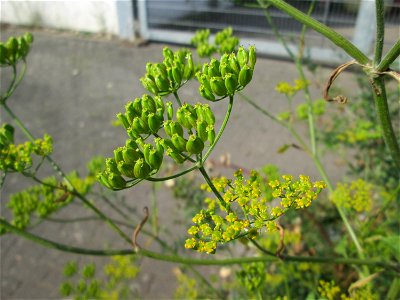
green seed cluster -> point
(186, 133)
(15, 49)
(42, 200)
(224, 42)
(246, 211)
(356, 195)
(19, 157)
(167, 77)
(221, 78)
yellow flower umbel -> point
(245, 211)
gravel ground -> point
(73, 88)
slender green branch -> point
(259, 247)
(384, 118)
(390, 57)
(326, 31)
(212, 186)
(173, 176)
(380, 30)
(14, 82)
(193, 261)
(177, 98)
(221, 130)
(64, 176)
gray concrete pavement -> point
(72, 90)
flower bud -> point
(179, 142)
(123, 120)
(111, 165)
(103, 179)
(161, 69)
(170, 110)
(252, 57)
(242, 56)
(211, 134)
(181, 116)
(12, 45)
(149, 68)
(23, 47)
(189, 67)
(155, 159)
(159, 147)
(154, 122)
(225, 69)
(162, 83)
(218, 86)
(231, 83)
(194, 145)
(206, 93)
(234, 64)
(132, 133)
(28, 37)
(139, 126)
(245, 75)
(209, 115)
(167, 127)
(224, 59)
(167, 53)
(213, 70)
(176, 128)
(148, 103)
(177, 75)
(118, 154)
(204, 69)
(159, 103)
(175, 156)
(3, 54)
(130, 155)
(131, 144)
(202, 130)
(126, 169)
(146, 151)
(137, 107)
(149, 84)
(116, 181)
(141, 169)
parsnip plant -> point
(258, 208)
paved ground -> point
(72, 90)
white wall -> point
(105, 16)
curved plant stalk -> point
(194, 261)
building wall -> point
(104, 16)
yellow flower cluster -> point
(245, 212)
(356, 195)
(290, 90)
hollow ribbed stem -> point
(384, 118)
(380, 30)
(389, 58)
(326, 31)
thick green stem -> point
(380, 30)
(382, 108)
(221, 130)
(326, 31)
(64, 176)
(390, 57)
(193, 261)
